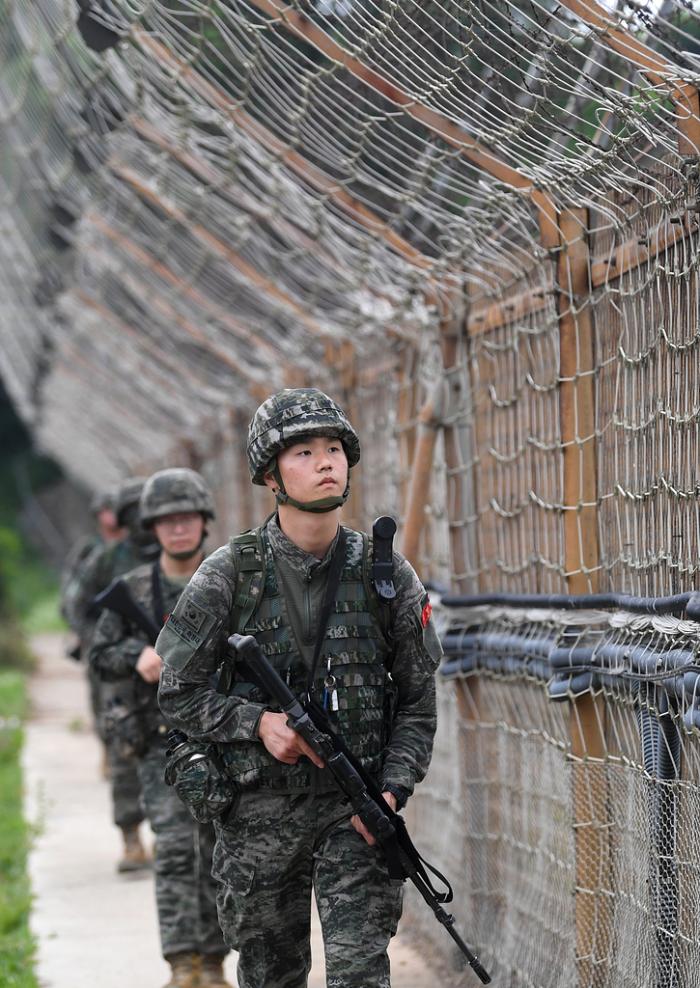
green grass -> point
(16, 943)
(43, 614)
(33, 593)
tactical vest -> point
(356, 642)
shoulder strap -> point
(157, 594)
(380, 607)
(248, 558)
(332, 583)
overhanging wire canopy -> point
(215, 196)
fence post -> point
(429, 421)
(581, 551)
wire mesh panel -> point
(513, 828)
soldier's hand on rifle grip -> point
(283, 743)
(149, 664)
(359, 826)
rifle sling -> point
(157, 591)
(332, 584)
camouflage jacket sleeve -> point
(417, 654)
(71, 570)
(80, 591)
(192, 645)
(115, 646)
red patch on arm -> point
(426, 612)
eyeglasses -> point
(186, 519)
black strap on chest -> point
(383, 532)
(332, 584)
(157, 595)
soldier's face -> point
(181, 534)
(107, 523)
(315, 468)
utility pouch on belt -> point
(198, 776)
(122, 720)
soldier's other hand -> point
(282, 742)
(359, 826)
(148, 665)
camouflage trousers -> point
(185, 889)
(270, 853)
(95, 689)
(127, 806)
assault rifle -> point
(388, 828)
(117, 597)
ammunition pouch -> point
(196, 772)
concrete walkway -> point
(95, 927)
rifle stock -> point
(386, 826)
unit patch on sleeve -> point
(191, 623)
(426, 610)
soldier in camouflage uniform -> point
(107, 530)
(175, 504)
(289, 829)
(102, 509)
(103, 565)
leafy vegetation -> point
(28, 587)
(16, 942)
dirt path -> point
(95, 927)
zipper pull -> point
(329, 690)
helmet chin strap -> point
(318, 507)
(181, 556)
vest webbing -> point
(357, 642)
(247, 553)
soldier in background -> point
(176, 505)
(107, 531)
(301, 584)
(103, 565)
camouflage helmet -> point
(289, 415)
(128, 494)
(103, 500)
(173, 491)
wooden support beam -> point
(310, 174)
(605, 269)
(341, 360)
(217, 247)
(160, 270)
(658, 70)
(429, 423)
(223, 184)
(459, 487)
(406, 425)
(485, 319)
(577, 405)
(634, 252)
(159, 358)
(454, 134)
(582, 559)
